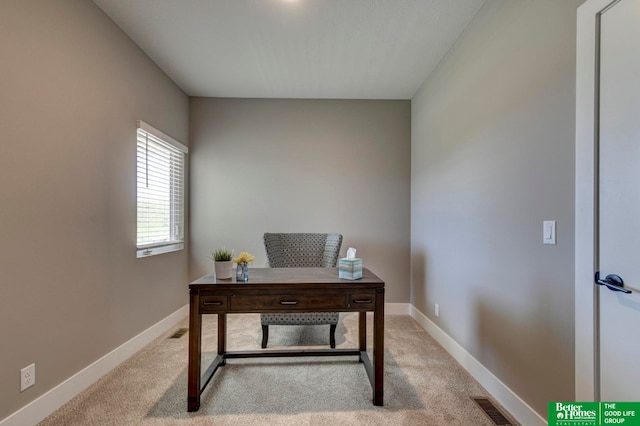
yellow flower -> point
(244, 257)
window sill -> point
(152, 251)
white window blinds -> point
(160, 192)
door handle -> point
(613, 282)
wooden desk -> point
(285, 290)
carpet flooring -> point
(423, 384)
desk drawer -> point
(295, 302)
(213, 303)
(362, 301)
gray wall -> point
(281, 165)
(71, 288)
(492, 157)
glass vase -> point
(242, 272)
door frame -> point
(587, 368)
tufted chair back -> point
(302, 250)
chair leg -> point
(332, 336)
(265, 335)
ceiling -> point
(338, 49)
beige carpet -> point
(423, 385)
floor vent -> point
(494, 414)
(178, 334)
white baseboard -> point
(397, 308)
(505, 396)
(46, 404)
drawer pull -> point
(284, 302)
(362, 300)
(216, 303)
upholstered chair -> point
(301, 250)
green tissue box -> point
(350, 269)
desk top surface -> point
(288, 276)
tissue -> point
(351, 253)
(350, 267)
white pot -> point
(223, 270)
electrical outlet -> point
(27, 377)
(437, 310)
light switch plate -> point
(549, 232)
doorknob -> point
(613, 282)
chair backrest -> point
(302, 250)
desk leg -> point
(362, 332)
(378, 348)
(195, 338)
(222, 336)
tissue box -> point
(350, 269)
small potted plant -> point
(222, 263)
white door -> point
(618, 251)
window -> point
(159, 192)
